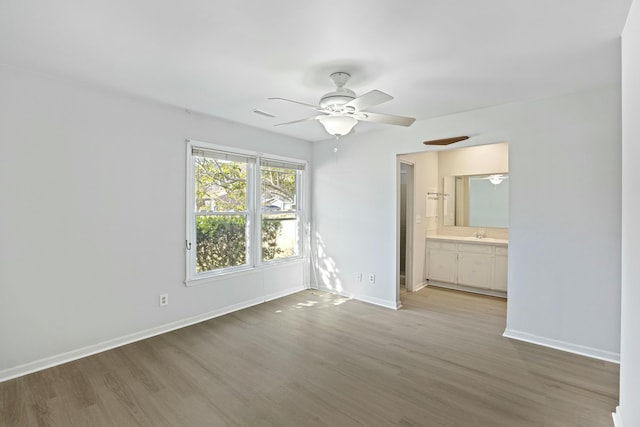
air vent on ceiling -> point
(262, 113)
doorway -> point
(405, 227)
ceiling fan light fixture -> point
(338, 125)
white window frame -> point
(254, 211)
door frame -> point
(410, 174)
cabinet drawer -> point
(475, 249)
(445, 246)
(501, 251)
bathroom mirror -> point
(476, 200)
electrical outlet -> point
(372, 278)
(164, 299)
(359, 277)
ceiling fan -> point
(341, 109)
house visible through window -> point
(243, 211)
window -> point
(280, 222)
(243, 210)
(221, 210)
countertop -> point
(470, 239)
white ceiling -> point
(225, 58)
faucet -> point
(480, 234)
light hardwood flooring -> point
(316, 359)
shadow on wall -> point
(324, 267)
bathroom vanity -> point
(467, 263)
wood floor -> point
(315, 359)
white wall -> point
(485, 159)
(628, 413)
(564, 252)
(92, 198)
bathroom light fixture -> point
(338, 125)
(496, 179)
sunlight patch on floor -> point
(324, 300)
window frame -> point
(254, 212)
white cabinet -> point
(442, 261)
(476, 265)
(500, 269)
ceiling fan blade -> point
(385, 118)
(315, 107)
(369, 99)
(302, 120)
(446, 141)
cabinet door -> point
(500, 273)
(442, 265)
(474, 269)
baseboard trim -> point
(59, 359)
(420, 286)
(471, 289)
(617, 418)
(594, 353)
(283, 293)
(395, 305)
